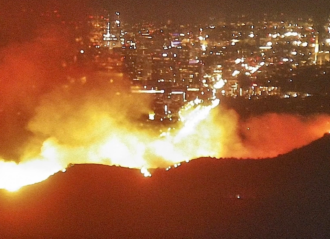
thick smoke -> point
(28, 70)
(39, 102)
(272, 134)
(225, 134)
(85, 109)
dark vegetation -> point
(283, 197)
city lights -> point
(183, 70)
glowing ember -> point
(145, 172)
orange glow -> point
(99, 143)
(93, 121)
(63, 120)
(13, 176)
(90, 135)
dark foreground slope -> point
(284, 197)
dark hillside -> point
(283, 197)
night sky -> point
(177, 10)
(192, 10)
(19, 18)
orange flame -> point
(89, 131)
(133, 150)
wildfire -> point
(112, 147)
(88, 121)
(110, 143)
(13, 175)
(88, 129)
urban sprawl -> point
(274, 56)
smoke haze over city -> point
(51, 94)
(212, 119)
(39, 103)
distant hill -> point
(283, 197)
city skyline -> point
(213, 125)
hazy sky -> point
(193, 9)
(18, 18)
(179, 9)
